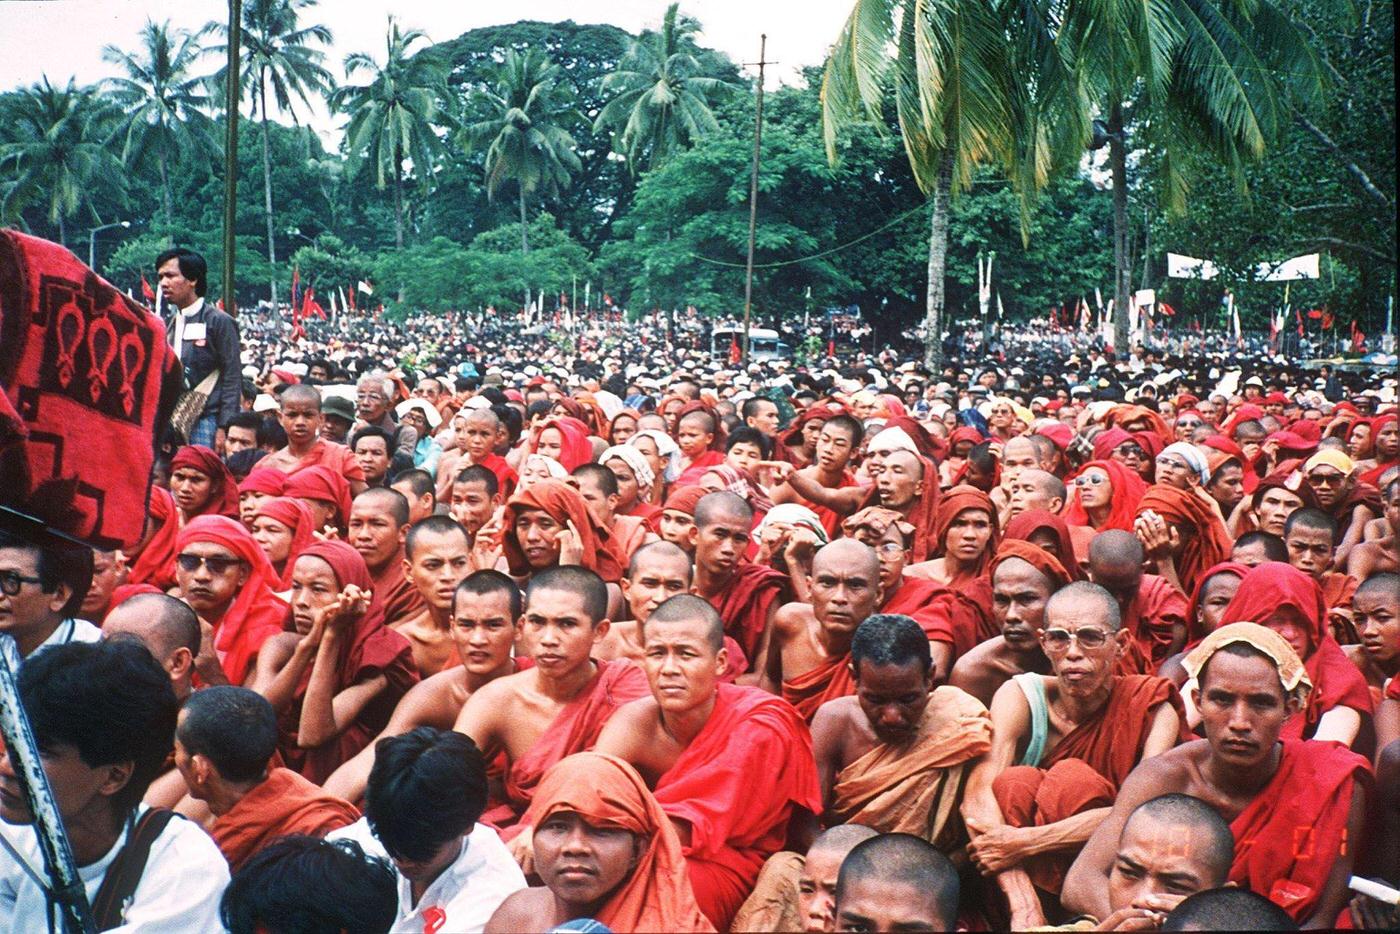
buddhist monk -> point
(1023, 579)
(1228, 908)
(416, 486)
(1331, 476)
(227, 580)
(678, 516)
(1310, 537)
(964, 539)
(558, 706)
(816, 883)
(605, 850)
(1152, 608)
(1376, 609)
(1254, 548)
(1062, 744)
(223, 741)
(747, 595)
(809, 659)
(896, 882)
(1181, 533)
(894, 757)
(930, 604)
(598, 487)
(1171, 847)
(1288, 801)
(696, 741)
(301, 418)
(1381, 554)
(478, 431)
(168, 628)
(1035, 489)
(379, 521)
(1019, 454)
(485, 608)
(827, 486)
(435, 560)
(549, 525)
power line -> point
(828, 252)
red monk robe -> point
(1337, 590)
(401, 599)
(283, 804)
(831, 521)
(692, 474)
(1287, 838)
(323, 453)
(920, 601)
(828, 681)
(735, 822)
(628, 533)
(1085, 769)
(1157, 608)
(506, 478)
(575, 729)
(744, 604)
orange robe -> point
(1286, 840)
(400, 598)
(284, 804)
(1157, 608)
(1337, 590)
(735, 822)
(575, 729)
(745, 602)
(628, 534)
(828, 681)
(1085, 769)
(323, 453)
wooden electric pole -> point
(753, 188)
(231, 89)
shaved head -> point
(1190, 818)
(1045, 482)
(845, 553)
(1082, 600)
(1116, 548)
(722, 503)
(649, 555)
(159, 622)
(910, 461)
(899, 863)
(300, 392)
(684, 608)
(842, 838)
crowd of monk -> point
(520, 655)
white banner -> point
(1188, 267)
(1299, 267)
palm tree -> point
(522, 135)
(278, 55)
(57, 151)
(955, 98)
(661, 102)
(1185, 77)
(162, 100)
(392, 117)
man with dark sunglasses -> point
(1061, 746)
(41, 588)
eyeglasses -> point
(12, 581)
(1326, 479)
(1093, 479)
(1130, 450)
(1088, 637)
(369, 396)
(217, 564)
(1189, 424)
(890, 549)
(1173, 463)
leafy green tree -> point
(393, 117)
(163, 101)
(521, 131)
(58, 151)
(276, 55)
(660, 95)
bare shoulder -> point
(792, 618)
(522, 910)
(434, 700)
(837, 714)
(410, 626)
(280, 647)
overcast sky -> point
(64, 38)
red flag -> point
(146, 289)
(1315, 313)
(735, 354)
(309, 306)
(831, 348)
(296, 289)
(1301, 329)
(1054, 317)
(1358, 338)
(1327, 320)
(1166, 309)
(350, 299)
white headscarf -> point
(633, 458)
(1193, 457)
(665, 446)
(791, 514)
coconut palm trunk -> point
(1122, 274)
(267, 188)
(937, 267)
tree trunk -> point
(63, 231)
(398, 207)
(1122, 271)
(267, 189)
(525, 251)
(937, 265)
(167, 195)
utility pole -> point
(753, 187)
(234, 73)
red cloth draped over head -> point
(1037, 557)
(1194, 632)
(957, 500)
(1248, 412)
(593, 415)
(684, 499)
(816, 412)
(1273, 586)
(564, 504)
(1287, 475)
(1108, 440)
(256, 613)
(927, 444)
(223, 488)
(572, 407)
(1307, 429)
(156, 562)
(1204, 540)
(612, 422)
(964, 433)
(575, 447)
(1230, 449)
(324, 484)
(1033, 520)
(1128, 489)
(717, 443)
(371, 649)
(1373, 476)
(266, 480)
(297, 517)
(607, 792)
(1125, 415)
(741, 484)
(1151, 443)
(1286, 838)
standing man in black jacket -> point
(206, 340)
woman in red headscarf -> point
(1104, 495)
(1288, 601)
(336, 678)
(201, 485)
(964, 540)
(565, 439)
(1182, 533)
(603, 801)
(255, 614)
(283, 527)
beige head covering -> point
(1290, 667)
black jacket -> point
(219, 350)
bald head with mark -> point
(896, 882)
(816, 886)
